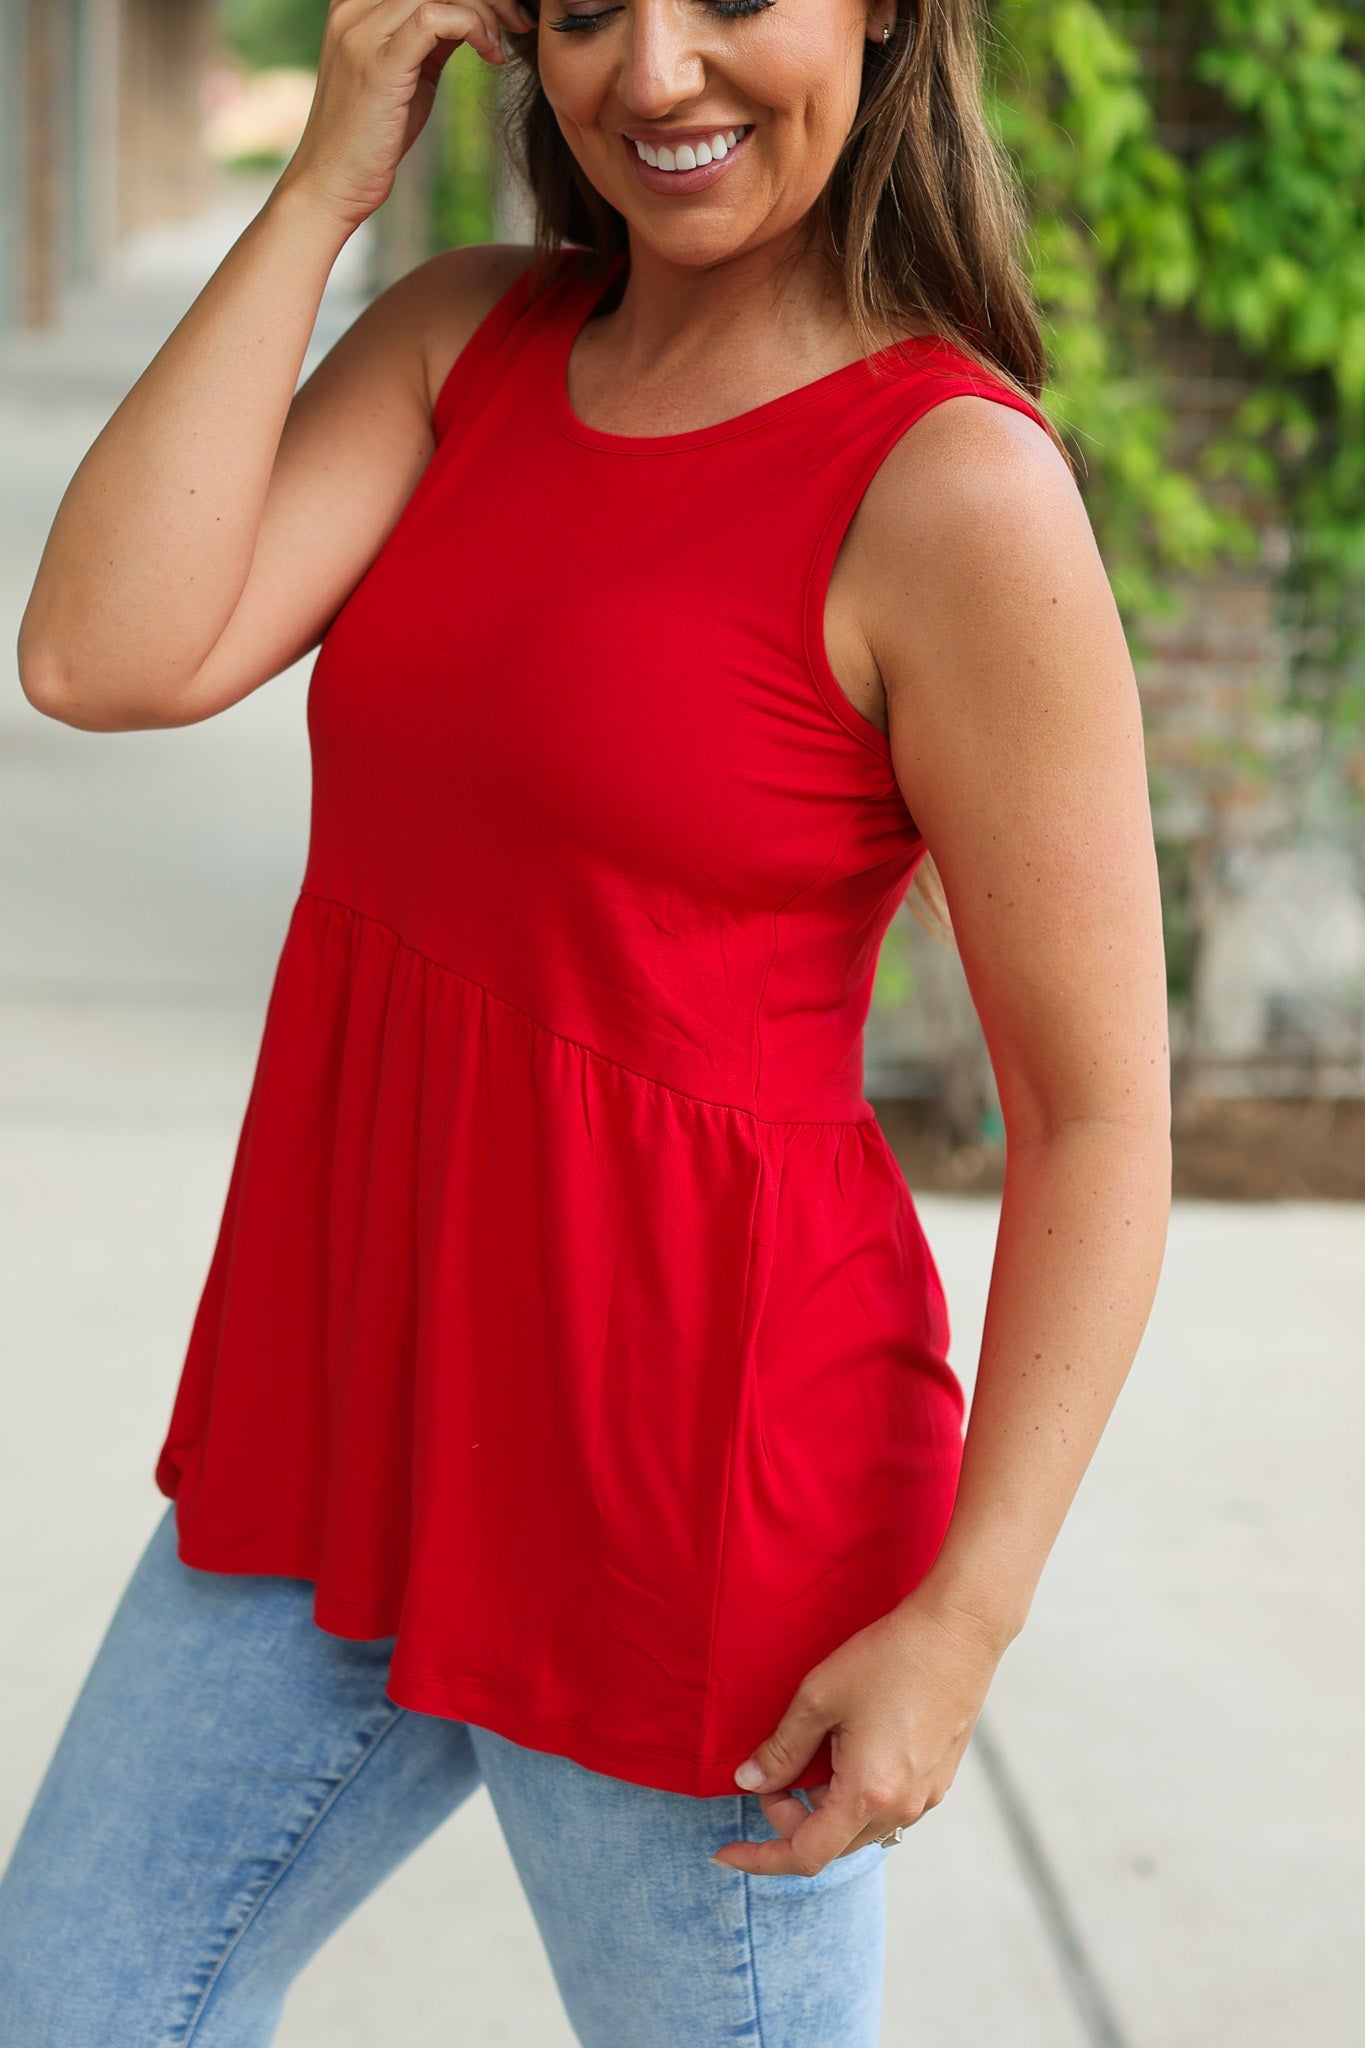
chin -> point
(700, 249)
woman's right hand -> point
(378, 71)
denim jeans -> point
(233, 1781)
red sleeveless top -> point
(569, 1318)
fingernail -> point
(750, 1775)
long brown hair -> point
(921, 218)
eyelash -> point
(728, 10)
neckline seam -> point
(583, 435)
(578, 431)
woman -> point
(568, 1406)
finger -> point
(850, 1814)
(903, 1812)
(842, 1824)
(784, 1810)
(513, 16)
(832, 1830)
(455, 21)
(389, 16)
(789, 1748)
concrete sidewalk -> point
(1155, 1839)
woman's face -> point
(674, 74)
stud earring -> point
(886, 35)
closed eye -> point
(728, 10)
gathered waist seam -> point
(704, 1101)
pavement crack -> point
(1087, 1993)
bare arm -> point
(220, 518)
(1016, 737)
(153, 542)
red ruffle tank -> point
(569, 1318)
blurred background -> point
(1155, 1839)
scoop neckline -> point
(582, 304)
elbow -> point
(52, 695)
(1140, 1123)
(44, 682)
(53, 686)
(52, 690)
(1123, 1100)
(1123, 1143)
(43, 676)
(1126, 1156)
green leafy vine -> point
(1206, 164)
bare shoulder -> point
(979, 576)
(973, 535)
(970, 483)
(450, 294)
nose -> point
(662, 64)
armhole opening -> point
(832, 536)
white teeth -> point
(687, 158)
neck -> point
(777, 300)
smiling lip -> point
(669, 138)
(680, 183)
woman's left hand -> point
(900, 1699)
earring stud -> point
(886, 35)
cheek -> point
(811, 84)
(575, 86)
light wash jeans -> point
(233, 1782)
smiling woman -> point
(570, 1338)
